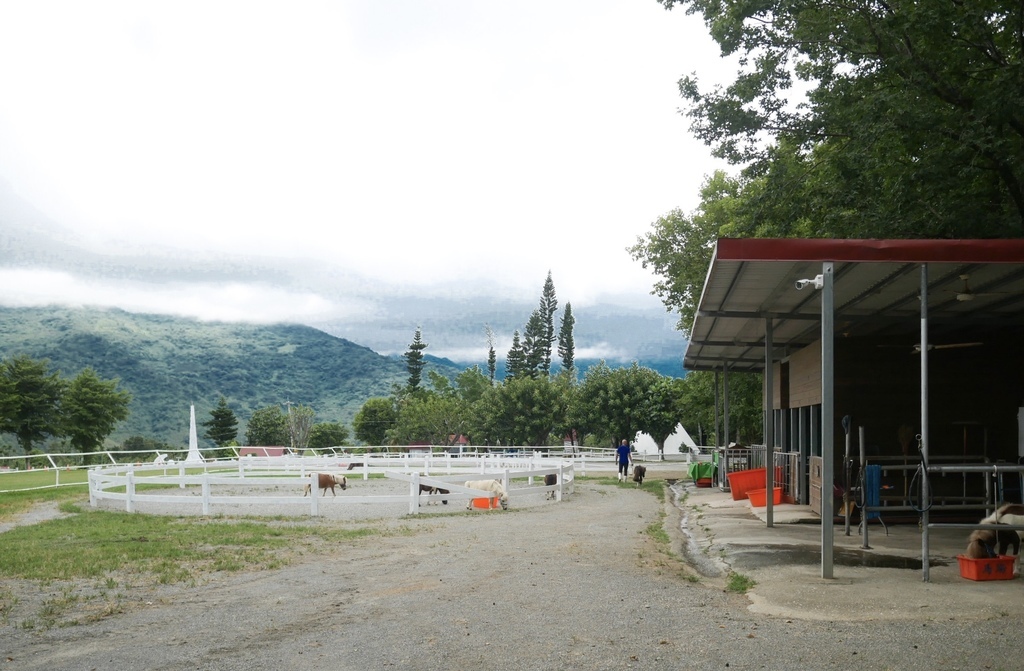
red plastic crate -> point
(994, 568)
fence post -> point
(414, 494)
(314, 495)
(206, 493)
(130, 491)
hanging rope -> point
(922, 473)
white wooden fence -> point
(218, 482)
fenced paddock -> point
(378, 486)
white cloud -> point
(450, 149)
(232, 302)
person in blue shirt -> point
(623, 456)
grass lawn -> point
(96, 558)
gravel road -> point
(576, 585)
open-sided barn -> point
(917, 341)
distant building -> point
(263, 451)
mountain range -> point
(168, 363)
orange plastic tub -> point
(486, 503)
(759, 497)
(740, 482)
(994, 568)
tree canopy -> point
(868, 119)
(373, 420)
(37, 404)
(30, 395)
(222, 427)
(91, 408)
(267, 427)
(327, 434)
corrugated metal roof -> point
(974, 286)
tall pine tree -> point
(548, 307)
(535, 344)
(222, 427)
(414, 362)
(515, 362)
(566, 341)
(492, 358)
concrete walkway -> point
(883, 582)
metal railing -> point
(789, 468)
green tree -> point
(430, 418)
(535, 347)
(492, 358)
(327, 434)
(515, 361)
(584, 410)
(567, 341)
(679, 247)
(222, 427)
(300, 423)
(144, 444)
(267, 427)
(520, 411)
(616, 401)
(30, 396)
(548, 307)
(664, 410)
(471, 384)
(91, 409)
(414, 362)
(745, 406)
(372, 421)
(914, 122)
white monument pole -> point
(193, 439)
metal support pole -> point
(828, 444)
(769, 418)
(725, 402)
(863, 490)
(925, 494)
(722, 472)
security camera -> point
(818, 282)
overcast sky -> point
(453, 143)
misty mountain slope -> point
(167, 363)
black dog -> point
(427, 489)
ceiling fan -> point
(916, 349)
(952, 345)
(966, 294)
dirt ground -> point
(581, 584)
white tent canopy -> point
(645, 444)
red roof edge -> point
(905, 251)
